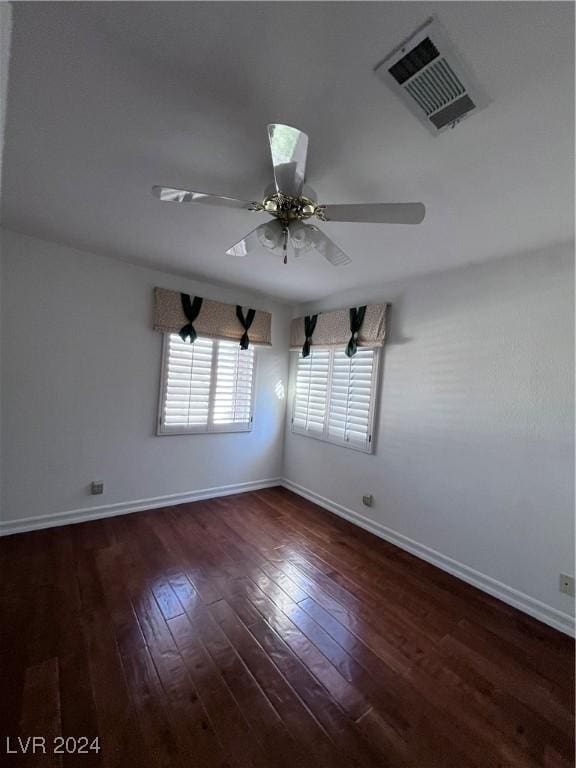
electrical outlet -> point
(368, 500)
(567, 584)
(96, 487)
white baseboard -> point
(545, 613)
(8, 527)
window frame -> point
(324, 437)
(209, 428)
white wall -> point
(80, 379)
(5, 41)
(474, 447)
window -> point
(334, 398)
(207, 386)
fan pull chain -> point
(285, 243)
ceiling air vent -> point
(431, 79)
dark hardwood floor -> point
(257, 631)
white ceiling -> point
(106, 99)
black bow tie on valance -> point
(356, 320)
(245, 322)
(191, 309)
(309, 326)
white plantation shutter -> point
(334, 397)
(206, 386)
(309, 413)
(233, 392)
(187, 379)
(350, 409)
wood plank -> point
(142, 683)
(316, 657)
(351, 747)
(264, 720)
(300, 724)
(187, 719)
(41, 713)
(121, 740)
(234, 731)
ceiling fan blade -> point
(289, 148)
(308, 238)
(376, 213)
(172, 195)
(268, 235)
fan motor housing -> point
(288, 208)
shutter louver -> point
(349, 412)
(311, 392)
(207, 386)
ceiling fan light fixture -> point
(291, 209)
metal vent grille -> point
(413, 62)
(430, 79)
(435, 87)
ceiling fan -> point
(291, 208)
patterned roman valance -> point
(347, 328)
(193, 316)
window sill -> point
(340, 443)
(215, 430)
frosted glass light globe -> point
(299, 236)
(269, 236)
